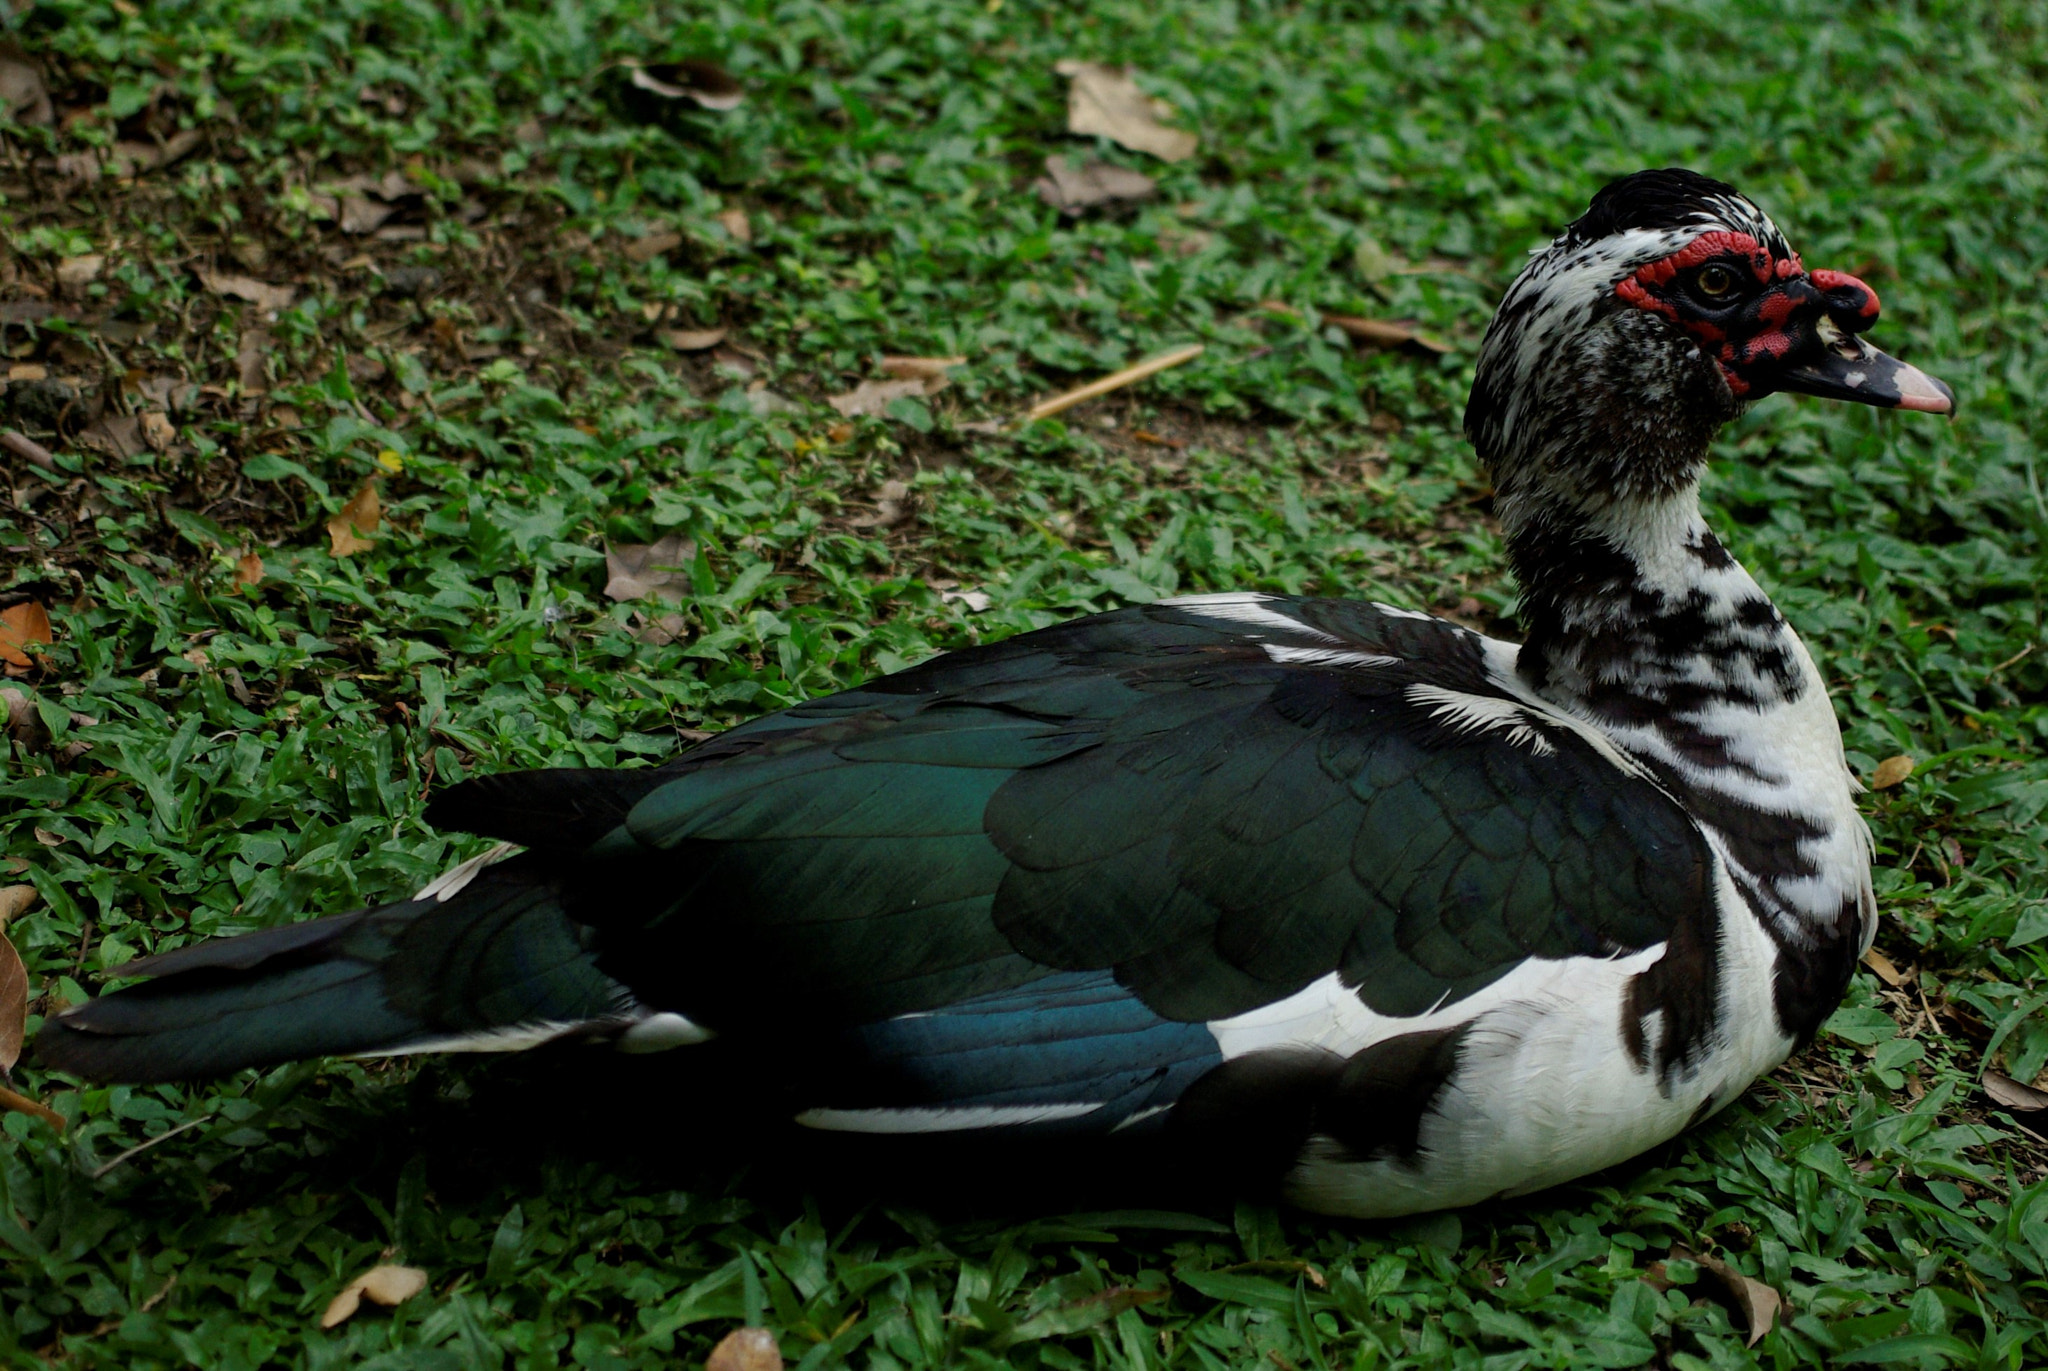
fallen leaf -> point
(15, 900)
(248, 568)
(1886, 972)
(1891, 771)
(745, 1349)
(691, 339)
(13, 989)
(158, 430)
(2006, 1091)
(74, 274)
(874, 397)
(259, 293)
(1105, 100)
(46, 837)
(1091, 185)
(1383, 333)
(386, 1285)
(839, 433)
(23, 97)
(1386, 333)
(23, 721)
(348, 531)
(21, 625)
(359, 214)
(889, 499)
(1758, 1302)
(737, 225)
(638, 571)
(705, 84)
(975, 600)
(118, 434)
(651, 246)
(129, 159)
(919, 368)
(250, 352)
(762, 402)
(661, 632)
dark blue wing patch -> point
(1073, 1039)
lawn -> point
(260, 252)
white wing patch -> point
(1482, 714)
(1248, 607)
(515, 1038)
(449, 883)
(1327, 656)
(660, 1031)
(940, 1120)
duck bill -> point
(1851, 369)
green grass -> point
(258, 755)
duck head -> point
(1657, 316)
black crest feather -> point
(1668, 197)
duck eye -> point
(1715, 281)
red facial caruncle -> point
(1746, 306)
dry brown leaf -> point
(74, 274)
(129, 159)
(1886, 972)
(23, 97)
(359, 214)
(1105, 100)
(385, 1285)
(704, 84)
(24, 723)
(157, 429)
(1386, 333)
(15, 901)
(248, 568)
(258, 293)
(13, 1002)
(647, 248)
(21, 625)
(691, 339)
(250, 352)
(2013, 1095)
(1758, 1302)
(874, 397)
(662, 631)
(349, 531)
(737, 225)
(1091, 185)
(118, 434)
(637, 571)
(1891, 771)
(889, 500)
(919, 368)
(745, 1349)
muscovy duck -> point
(1419, 916)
